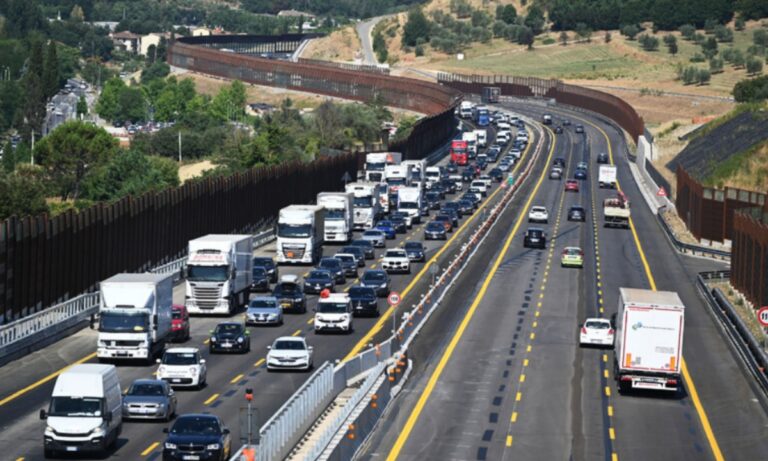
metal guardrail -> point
(687, 248)
(745, 344)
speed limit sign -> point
(394, 298)
(762, 316)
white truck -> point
(339, 215)
(649, 340)
(465, 109)
(134, 316)
(606, 176)
(471, 138)
(409, 200)
(433, 175)
(300, 234)
(375, 162)
(219, 273)
(334, 313)
(616, 211)
(482, 137)
(418, 170)
(366, 203)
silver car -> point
(149, 399)
(264, 310)
(376, 237)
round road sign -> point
(393, 298)
(762, 316)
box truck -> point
(482, 137)
(300, 234)
(366, 203)
(606, 176)
(134, 316)
(471, 138)
(649, 340)
(616, 211)
(219, 273)
(409, 200)
(465, 109)
(339, 215)
(375, 162)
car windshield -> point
(319, 275)
(374, 277)
(534, 233)
(75, 406)
(289, 346)
(330, 263)
(572, 251)
(384, 224)
(259, 272)
(433, 196)
(345, 258)
(408, 205)
(146, 389)
(229, 328)
(435, 226)
(597, 325)
(395, 254)
(294, 231)
(263, 303)
(263, 262)
(335, 214)
(180, 358)
(288, 289)
(207, 273)
(362, 243)
(359, 292)
(396, 181)
(196, 425)
(352, 250)
(413, 246)
(176, 314)
(117, 322)
(371, 233)
(332, 308)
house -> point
(201, 31)
(151, 39)
(126, 41)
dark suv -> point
(535, 238)
(269, 267)
(197, 436)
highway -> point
(26, 384)
(501, 376)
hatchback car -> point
(180, 325)
(260, 281)
(577, 213)
(602, 157)
(333, 266)
(289, 353)
(318, 280)
(376, 279)
(387, 228)
(415, 251)
(182, 366)
(580, 173)
(376, 237)
(197, 437)
(264, 310)
(556, 173)
(535, 237)
(268, 264)
(571, 185)
(230, 337)
(596, 332)
(290, 295)
(364, 301)
(572, 257)
(538, 214)
(149, 399)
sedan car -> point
(535, 237)
(435, 230)
(319, 280)
(602, 157)
(405, 216)
(348, 263)
(388, 228)
(376, 237)
(415, 251)
(149, 399)
(571, 185)
(538, 214)
(579, 129)
(559, 161)
(264, 310)
(364, 301)
(398, 222)
(260, 281)
(290, 295)
(289, 353)
(333, 266)
(454, 207)
(268, 264)
(366, 246)
(556, 173)
(496, 174)
(596, 332)
(376, 279)
(572, 257)
(182, 366)
(558, 130)
(580, 173)
(230, 337)
(445, 220)
(180, 325)
(577, 213)
(432, 200)
(357, 252)
(197, 437)
(454, 215)
(396, 260)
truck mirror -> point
(43, 414)
(184, 272)
(108, 416)
(233, 273)
(92, 322)
(157, 360)
(165, 430)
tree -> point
(703, 76)
(132, 105)
(535, 19)
(525, 37)
(687, 31)
(22, 192)
(740, 23)
(416, 27)
(724, 34)
(672, 48)
(82, 107)
(506, 13)
(130, 173)
(584, 32)
(709, 47)
(155, 71)
(751, 90)
(738, 60)
(70, 152)
(564, 38)
(648, 42)
(108, 104)
(77, 14)
(760, 37)
(607, 37)
(754, 66)
(630, 31)
(689, 75)
(229, 103)
(50, 77)
(715, 65)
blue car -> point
(388, 228)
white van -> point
(85, 413)
(503, 126)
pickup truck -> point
(616, 211)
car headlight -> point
(193, 370)
(240, 339)
(213, 339)
(383, 285)
(170, 446)
(97, 431)
(161, 370)
(213, 446)
(49, 429)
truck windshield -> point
(334, 215)
(75, 406)
(207, 273)
(408, 205)
(294, 231)
(396, 181)
(332, 308)
(119, 322)
(363, 202)
(375, 166)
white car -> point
(182, 367)
(503, 137)
(538, 214)
(457, 179)
(396, 260)
(480, 185)
(597, 332)
(486, 179)
(289, 353)
(334, 313)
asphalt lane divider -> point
(448, 353)
(690, 385)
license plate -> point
(190, 457)
(286, 304)
(290, 255)
(359, 308)
(226, 345)
(176, 380)
(71, 448)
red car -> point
(571, 185)
(179, 323)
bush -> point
(698, 57)
(419, 50)
(724, 34)
(687, 31)
(648, 42)
(752, 90)
(630, 31)
(740, 23)
(754, 66)
(715, 65)
(703, 76)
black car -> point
(260, 280)
(357, 251)
(333, 265)
(452, 168)
(435, 231)
(496, 174)
(559, 162)
(367, 247)
(318, 280)
(432, 200)
(482, 164)
(399, 224)
(535, 238)
(472, 198)
(448, 185)
(364, 301)
(602, 157)
(580, 173)
(577, 213)
(566, 122)
(197, 436)
(452, 214)
(290, 296)
(399, 215)
(558, 130)
(579, 129)
(439, 189)
(415, 251)
(229, 337)
(349, 263)
(268, 264)
(467, 175)
(376, 279)
(453, 206)
(466, 206)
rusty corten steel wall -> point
(709, 212)
(749, 254)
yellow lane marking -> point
(691, 387)
(514, 417)
(446, 356)
(509, 440)
(311, 320)
(614, 457)
(259, 363)
(522, 378)
(211, 399)
(42, 381)
(525, 362)
(373, 266)
(207, 341)
(610, 410)
(296, 333)
(612, 433)
(607, 391)
(366, 339)
(236, 379)
(518, 396)
(150, 449)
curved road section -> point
(364, 30)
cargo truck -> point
(219, 273)
(397, 176)
(134, 316)
(409, 200)
(616, 211)
(418, 170)
(606, 176)
(300, 234)
(339, 215)
(375, 162)
(459, 152)
(482, 137)
(471, 138)
(465, 109)
(366, 203)
(649, 340)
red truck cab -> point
(180, 330)
(458, 152)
